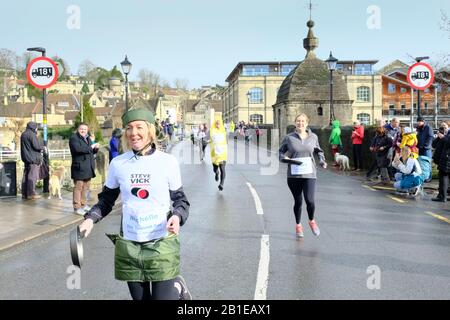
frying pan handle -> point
(81, 235)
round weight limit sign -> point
(42, 72)
(420, 76)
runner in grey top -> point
(293, 147)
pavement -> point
(25, 220)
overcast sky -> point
(203, 40)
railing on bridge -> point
(62, 154)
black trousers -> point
(160, 290)
(307, 188)
(221, 168)
(357, 156)
(443, 184)
(29, 179)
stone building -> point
(307, 90)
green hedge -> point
(346, 132)
(64, 132)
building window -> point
(438, 107)
(287, 68)
(363, 69)
(320, 111)
(255, 70)
(425, 106)
(256, 118)
(391, 88)
(427, 90)
(403, 90)
(94, 103)
(364, 118)
(256, 95)
(392, 109)
(403, 107)
(363, 94)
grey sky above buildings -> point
(203, 40)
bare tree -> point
(85, 67)
(445, 23)
(149, 80)
(25, 59)
(18, 126)
(165, 84)
(8, 59)
(181, 83)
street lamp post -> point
(331, 63)
(418, 59)
(126, 68)
(45, 188)
(248, 107)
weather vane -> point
(311, 7)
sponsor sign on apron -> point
(305, 168)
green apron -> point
(155, 260)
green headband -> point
(138, 114)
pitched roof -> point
(396, 64)
(104, 111)
(189, 105)
(17, 110)
(216, 105)
(70, 115)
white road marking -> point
(259, 209)
(262, 279)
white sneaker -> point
(80, 211)
(86, 208)
(180, 284)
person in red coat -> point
(357, 139)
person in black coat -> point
(83, 166)
(424, 138)
(380, 146)
(441, 157)
(30, 152)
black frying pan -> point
(291, 161)
(76, 247)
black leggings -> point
(220, 167)
(307, 187)
(357, 156)
(161, 290)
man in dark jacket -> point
(424, 137)
(83, 166)
(441, 157)
(30, 152)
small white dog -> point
(56, 181)
(342, 161)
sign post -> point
(420, 76)
(42, 73)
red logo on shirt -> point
(140, 193)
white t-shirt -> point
(144, 186)
(201, 134)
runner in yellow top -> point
(218, 138)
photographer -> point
(441, 146)
(380, 146)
